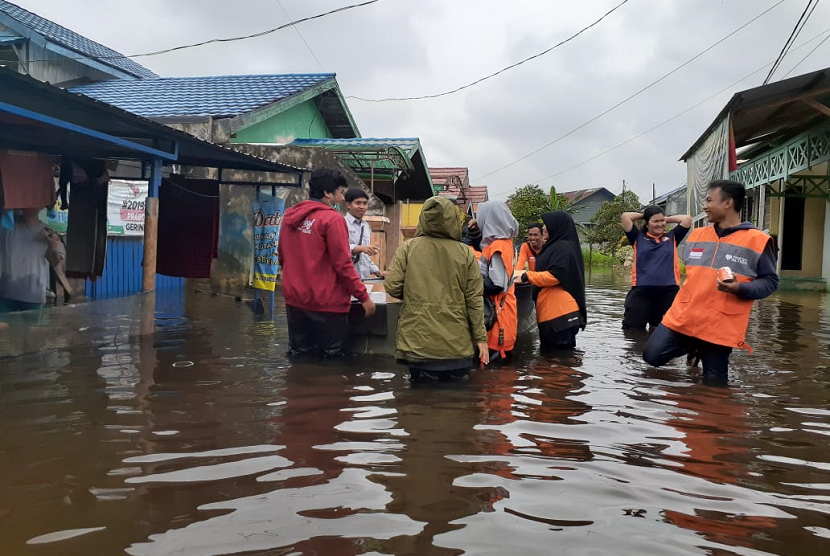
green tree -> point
(527, 204)
(605, 231)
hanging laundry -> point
(86, 233)
(78, 171)
(188, 227)
(26, 179)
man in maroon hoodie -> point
(318, 277)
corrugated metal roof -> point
(399, 159)
(70, 39)
(473, 194)
(440, 176)
(222, 96)
(38, 116)
(772, 112)
(582, 194)
(409, 145)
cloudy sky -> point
(399, 48)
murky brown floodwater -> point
(131, 448)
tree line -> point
(604, 232)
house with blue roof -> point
(35, 46)
(270, 109)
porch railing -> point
(799, 153)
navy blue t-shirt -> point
(655, 259)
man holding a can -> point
(728, 266)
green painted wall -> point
(304, 121)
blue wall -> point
(122, 271)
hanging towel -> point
(26, 179)
(86, 233)
(188, 227)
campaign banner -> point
(125, 207)
(267, 217)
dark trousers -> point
(550, 339)
(312, 330)
(666, 344)
(647, 305)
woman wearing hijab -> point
(498, 228)
(559, 282)
(438, 279)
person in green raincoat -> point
(442, 317)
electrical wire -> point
(687, 110)
(255, 35)
(485, 78)
(211, 41)
(799, 25)
(816, 47)
(302, 38)
(630, 97)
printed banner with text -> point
(267, 218)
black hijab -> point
(561, 255)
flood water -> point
(204, 440)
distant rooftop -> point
(441, 177)
(15, 16)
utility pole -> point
(653, 193)
(623, 187)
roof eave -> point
(248, 119)
(40, 40)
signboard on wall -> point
(267, 217)
(125, 207)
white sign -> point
(125, 207)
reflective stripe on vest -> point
(700, 310)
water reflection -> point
(124, 446)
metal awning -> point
(774, 112)
(398, 162)
(39, 117)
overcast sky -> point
(397, 48)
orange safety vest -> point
(700, 310)
(502, 337)
(526, 255)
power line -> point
(664, 122)
(628, 98)
(799, 25)
(816, 47)
(511, 66)
(211, 41)
(302, 38)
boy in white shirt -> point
(360, 234)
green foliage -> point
(560, 202)
(527, 204)
(596, 258)
(605, 231)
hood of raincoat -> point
(439, 218)
(495, 222)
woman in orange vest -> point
(530, 249)
(498, 228)
(560, 283)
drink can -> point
(725, 274)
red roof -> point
(440, 176)
(466, 195)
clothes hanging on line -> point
(188, 227)
(26, 180)
(86, 233)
